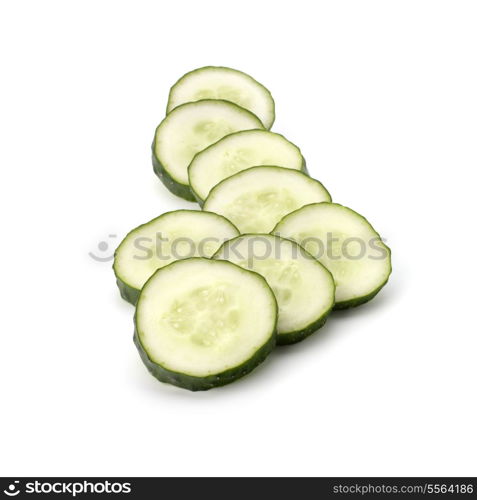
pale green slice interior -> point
(172, 236)
(257, 198)
(237, 152)
(201, 316)
(224, 83)
(345, 243)
(192, 127)
(304, 289)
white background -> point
(381, 96)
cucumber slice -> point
(346, 244)
(169, 237)
(304, 289)
(188, 129)
(237, 152)
(215, 82)
(202, 323)
(257, 198)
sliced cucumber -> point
(169, 237)
(237, 152)
(257, 198)
(215, 82)
(304, 289)
(202, 323)
(188, 129)
(346, 244)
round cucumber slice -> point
(215, 82)
(169, 237)
(257, 198)
(188, 129)
(237, 152)
(304, 289)
(202, 323)
(346, 244)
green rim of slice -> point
(219, 82)
(303, 287)
(171, 236)
(188, 129)
(203, 323)
(237, 152)
(346, 244)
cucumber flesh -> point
(190, 128)
(201, 323)
(213, 82)
(255, 199)
(169, 237)
(304, 288)
(237, 152)
(346, 244)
